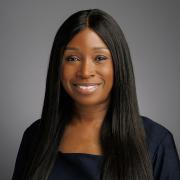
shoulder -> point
(162, 150)
(155, 133)
(33, 127)
(32, 130)
(28, 142)
(30, 135)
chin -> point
(87, 103)
(91, 102)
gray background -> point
(27, 30)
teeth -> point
(87, 87)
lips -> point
(85, 88)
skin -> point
(86, 60)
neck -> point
(89, 115)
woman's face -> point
(87, 69)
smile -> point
(86, 89)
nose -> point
(86, 69)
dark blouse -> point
(81, 166)
(76, 166)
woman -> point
(90, 126)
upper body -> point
(161, 146)
(91, 106)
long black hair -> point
(122, 135)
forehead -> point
(86, 38)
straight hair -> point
(122, 135)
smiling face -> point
(87, 69)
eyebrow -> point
(94, 48)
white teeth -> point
(87, 87)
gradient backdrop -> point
(27, 30)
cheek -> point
(66, 74)
(64, 78)
(108, 75)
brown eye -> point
(71, 58)
(101, 58)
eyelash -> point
(102, 57)
(69, 58)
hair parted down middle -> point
(122, 133)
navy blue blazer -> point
(81, 166)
